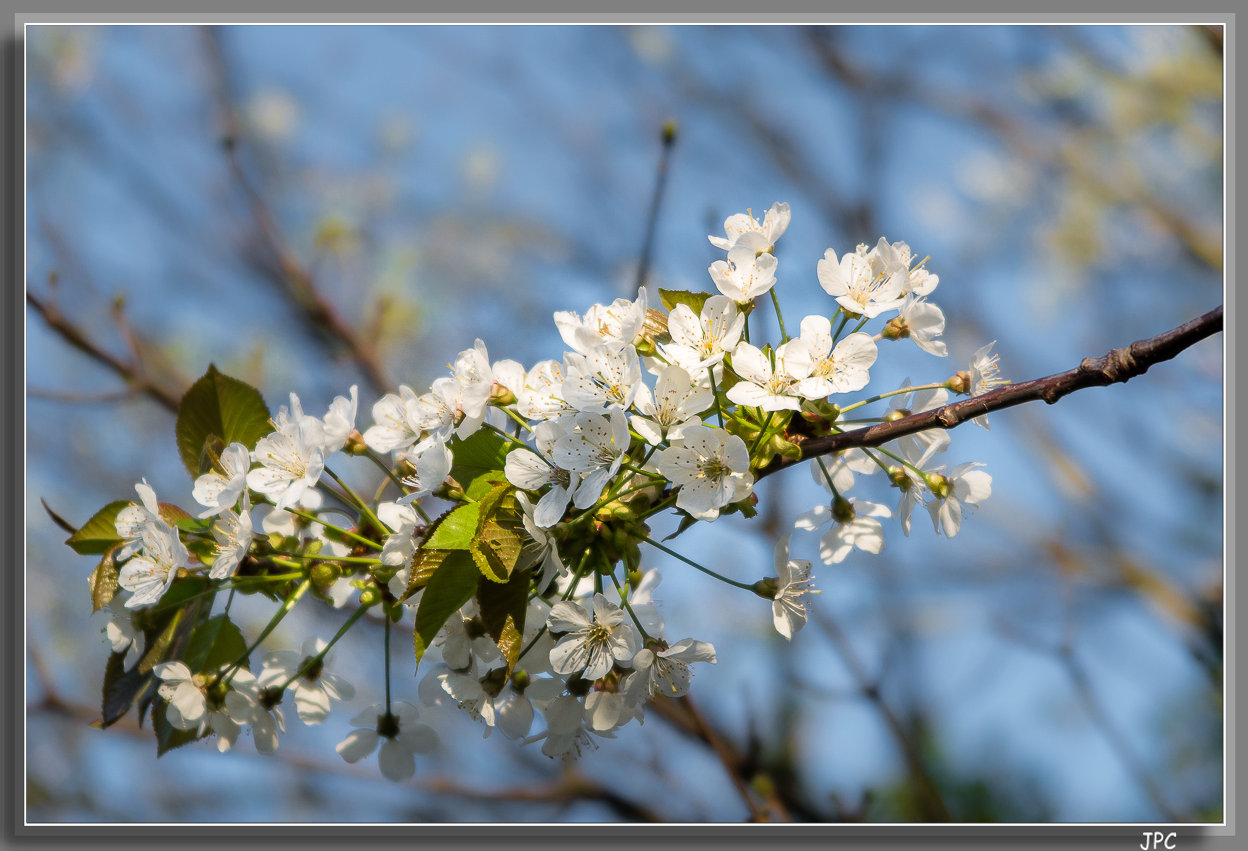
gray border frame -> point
(17, 834)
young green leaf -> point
(482, 454)
(215, 643)
(455, 529)
(99, 533)
(671, 298)
(169, 737)
(219, 408)
(503, 607)
(451, 586)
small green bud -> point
(369, 596)
(355, 444)
(500, 396)
(323, 575)
(938, 484)
(766, 588)
(842, 510)
(520, 680)
(896, 414)
(897, 478)
(896, 329)
(960, 383)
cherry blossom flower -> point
(135, 518)
(605, 376)
(432, 459)
(532, 471)
(711, 468)
(234, 534)
(744, 229)
(793, 581)
(856, 287)
(149, 574)
(674, 408)
(767, 387)
(921, 322)
(594, 447)
(291, 460)
(543, 550)
(665, 672)
(313, 688)
(398, 732)
(711, 334)
(219, 491)
(839, 369)
(985, 376)
(395, 421)
(122, 634)
(853, 525)
(960, 487)
(745, 275)
(591, 645)
(616, 325)
(541, 397)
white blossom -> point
(233, 533)
(743, 229)
(395, 421)
(767, 387)
(149, 574)
(218, 491)
(400, 734)
(793, 581)
(711, 468)
(675, 407)
(617, 324)
(605, 376)
(313, 688)
(291, 460)
(594, 447)
(665, 672)
(839, 369)
(853, 525)
(855, 286)
(591, 645)
(961, 487)
(745, 275)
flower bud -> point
(939, 485)
(960, 382)
(323, 575)
(896, 329)
(842, 510)
(500, 395)
(355, 444)
(766, 588)
(896, 414)
(897, 478)
(369, 596)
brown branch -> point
(131, 373)
(289, 273)
(1118, 365)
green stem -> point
(285, 609)
(386, 631)
(385, 468)
(347, 559)
(779, 317)
(628, 608)
(519, 419)
(762, 433)
(828, 477)
(515, 440)
(719, 414)
(897, 392)
(694, 564)
(841, 327)
(345, 532)
(368, 512)
(313, 660)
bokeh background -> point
(312, 207)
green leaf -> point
(169, 737)
(123, 689)
(103, 580)
(219, 408)
(686, 521)
(99, 533)
(503, 607)
(214, 643)
(485, 483)
(671, 298)
(424, 565)
(483, 453)
(451, 586)
(455, 529)
(500, 535)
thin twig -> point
(294, 278)
(656, 202)
(76, 337)
(1118, 365)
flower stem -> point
(694, 564)
(368, 512)
(775, 300)
(624, 602)
(762, 433)
(314, 660)
(346, 532)
(286, 609)
(386, 631)
(519, 419)
(719, 414)
(897, 392)
(514, 440)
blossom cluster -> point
(655, 405)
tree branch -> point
(1118, 365)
